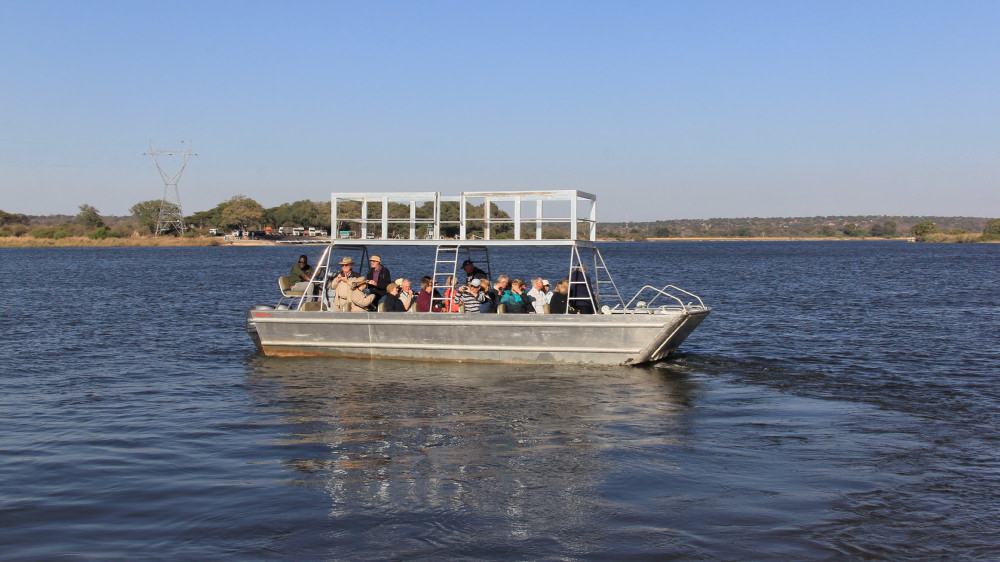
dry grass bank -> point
(959, 238)
(84, 242)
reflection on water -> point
(517, 452)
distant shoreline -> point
(205, 241)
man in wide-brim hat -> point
(346, 272)
(350, 296)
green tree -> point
(89, 217)
(991, 230)
(12, 218)
(664, 232)
(210, 218)
(922, 229)
(851, 229)
(242, 212)
(147, 213)
(889, 228)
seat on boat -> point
(381, 306)
(286, 283)
(545, 309)
(311, 306)
(501, 308)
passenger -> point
(536, 296)
(301, 271)
(406, 292)
(581, 291)
(378, 277)
(559, 296)
(473, 272)
(427, 291)
(472, 296)
(496, 293)
(515, 299)
(342, 276)
(450, 293)
(344, 295)
(392, 302)
(341, 300)
(345, 273)
(360, 302)
(548, 291)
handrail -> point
(664, 292)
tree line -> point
(921, 228)
(244, 213)
(240, 213)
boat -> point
(646, 328)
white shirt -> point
(537, 300)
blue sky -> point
(663, 109)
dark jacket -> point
(476, 274)
(384, 278)
(558, 304)
(393, 304)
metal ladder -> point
(445, 264)
(602, 281)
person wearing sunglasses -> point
(302, 271)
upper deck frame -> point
(582, 225)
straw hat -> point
(347, 261)
(355, 281)
(375, 258)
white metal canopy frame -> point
(559, 208)
(558, 217)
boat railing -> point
(665, 292)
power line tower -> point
(171, 217)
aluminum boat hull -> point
(604, 339)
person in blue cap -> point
(473, 272)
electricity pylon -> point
(171, 216)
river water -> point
(841, 401)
